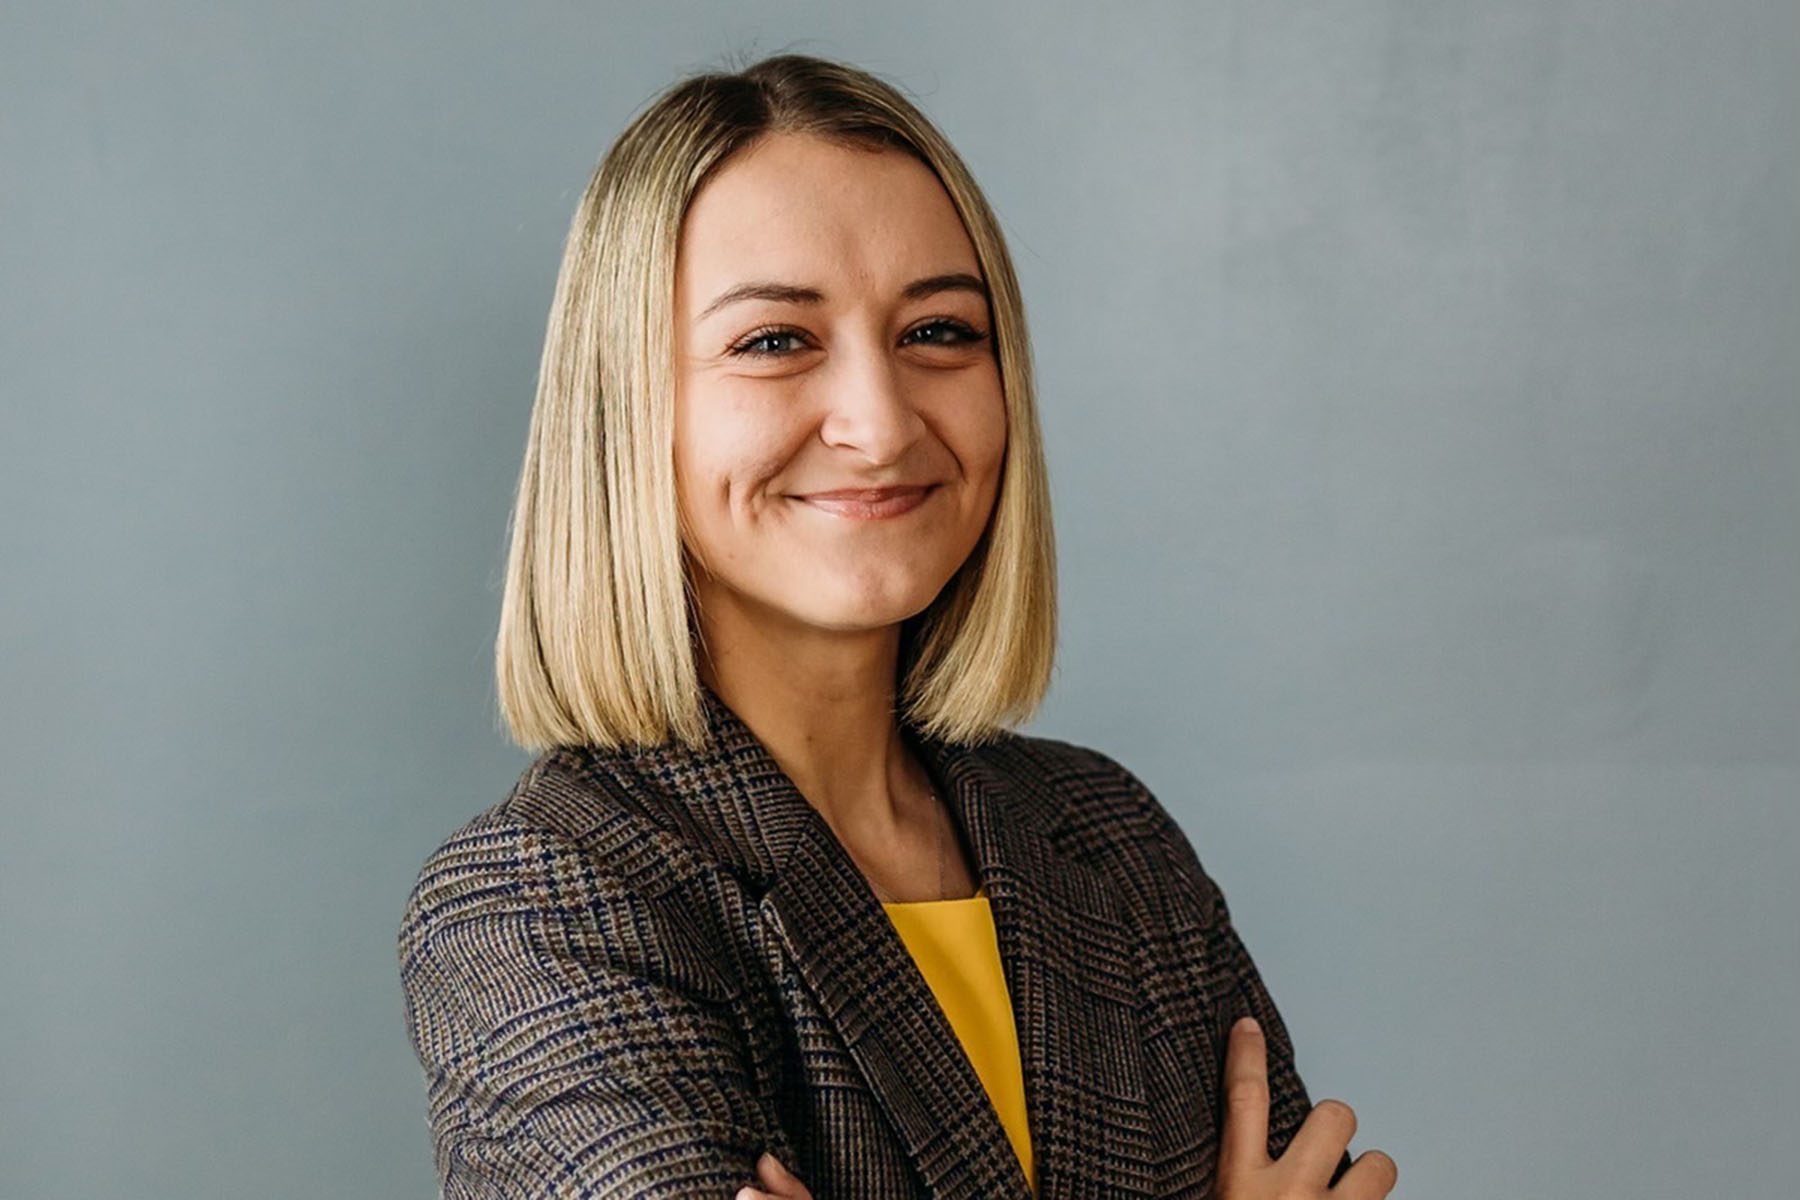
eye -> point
(747, 347)
(753, 344)
(965, 335)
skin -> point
(1245, 1170)
(870, 384)
(800, 608)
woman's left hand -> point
(778, 1183)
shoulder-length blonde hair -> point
(597, 640)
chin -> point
(858, 612)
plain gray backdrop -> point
(1422, 391)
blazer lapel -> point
(1066, 950)
(1070, 959)
(846, 949)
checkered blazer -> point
(642, 968)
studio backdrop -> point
(1421, 389)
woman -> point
(783, 908)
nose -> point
(869, 409)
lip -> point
(868, 504)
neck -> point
(823, 703)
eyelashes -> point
(746, 347)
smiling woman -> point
(785, 906)
(884, 400)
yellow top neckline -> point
(980, 894)
(954, 944)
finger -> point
(750, 1193)
(1318, 1145)
(1371, 1177)
(1245, 1139)
(779, 1179)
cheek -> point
(977, 434)
(727, 456)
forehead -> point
(803, 210)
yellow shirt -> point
(954, 944)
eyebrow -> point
(789, 293)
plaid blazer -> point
(644, 967)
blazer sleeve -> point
(571, 1045)
(1245, 993)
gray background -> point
(1420, 382)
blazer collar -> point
(1067, 951)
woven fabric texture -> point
(642, 968)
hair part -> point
(598, 635)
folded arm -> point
(568, 1049)
(1217, 940)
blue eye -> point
(966, 335)
(749, 346)
(763, 335)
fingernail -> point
(1249, 1023)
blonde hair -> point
(597, 634)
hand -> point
(1246, 1172)
(778, 1183)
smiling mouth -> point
(870, 504)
